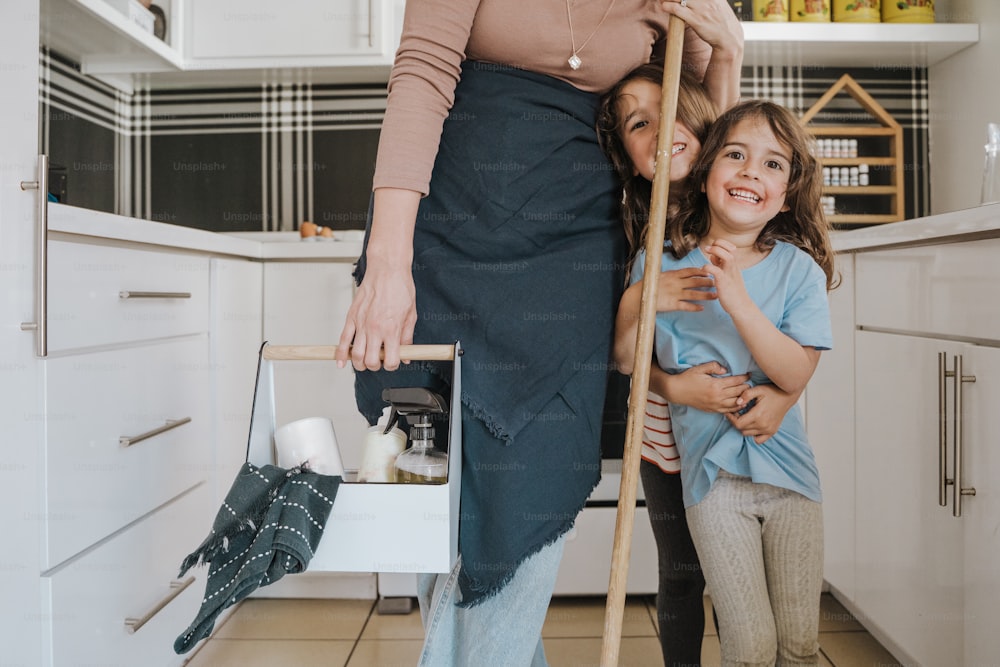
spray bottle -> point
(422, 463)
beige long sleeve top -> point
(438, 35)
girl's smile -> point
(639, 106)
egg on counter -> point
(310, 231)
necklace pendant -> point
(574, 61)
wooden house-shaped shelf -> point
(880, 149)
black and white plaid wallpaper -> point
(267, 158)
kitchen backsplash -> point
(268, 157)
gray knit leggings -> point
(761, 551)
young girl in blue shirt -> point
(750, 220)
(628, 125)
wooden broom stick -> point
(615, 609)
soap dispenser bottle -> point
(422, 463)
(383, 443)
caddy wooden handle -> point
(625, 521)
(327, 352)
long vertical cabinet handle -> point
(943, 481)
(40, 325)
(371, 24)
(958, 443)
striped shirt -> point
(657, 436)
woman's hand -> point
(713, 46)
(383, 314)
(714, 21)
(762, 420)
(700, 387)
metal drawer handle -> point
(132, 294)
(129, 440)
(958, 490)
(40, 325)
(132, 625)
(943, 481)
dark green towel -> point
(269, 525)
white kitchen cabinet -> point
(829, 414)
(21, 389)
(305, 303)
(927, 581)
(121, 602)
(122, 424)
(981, 514)
(228, 34)
(236, 334)
(909, 549)
(106, 43)
(104, 295)
(127, 446)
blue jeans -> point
(504, 630)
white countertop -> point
(75, 221)
(966, 225)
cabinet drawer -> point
(95, 483)
(129, 577)
(297, 29)
(100, 295)
(947, 290)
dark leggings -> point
(680, 610)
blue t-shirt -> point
(790, 288)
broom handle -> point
(615, 609)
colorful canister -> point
(809, 10)
(770, 10)
(857, 11)
(908, 11)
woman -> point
(495, 222)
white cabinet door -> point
(829, 412)
(909, 548)
(21, 407)
(256, 30)
(305, 303)
(981, 513)
(236, 328)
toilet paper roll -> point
(311, 441)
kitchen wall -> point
(268, 157)
(965, 96)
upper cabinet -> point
(265, 36)
(104, 40)
(226, 34)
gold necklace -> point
(574, 60)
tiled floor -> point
(350, 633)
